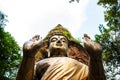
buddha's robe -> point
(61, 68)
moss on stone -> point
(60, 30)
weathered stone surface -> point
(76, 50)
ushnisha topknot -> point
(59, 30)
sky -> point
(37, 17)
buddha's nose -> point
(59, 43)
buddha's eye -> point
(63, 39)
(53, 39)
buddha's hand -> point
(94, 49)
(31, 47)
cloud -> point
(30, 17)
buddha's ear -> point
(78, 52)
(68, 52)
(48, 52)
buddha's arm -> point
(96, 70)
(26, 69)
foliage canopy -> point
(9, 53)
(110, 37)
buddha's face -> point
(58, 43)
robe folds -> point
(61, 68)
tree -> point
(9, 52)
(110, 38)
(74, 1)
